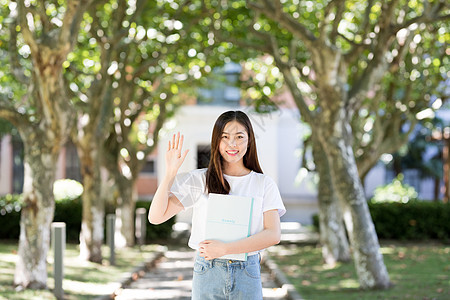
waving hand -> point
(174, 156)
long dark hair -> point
(215, 181)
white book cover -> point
(229, 219)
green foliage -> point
(396, 191)
(10, 206)
(67, 190)
(5, 127)
(156, 232)
(69, 212)
(418, 270)
(412, 156)
(415, 220)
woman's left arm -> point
(269, 236)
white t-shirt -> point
(190, 189)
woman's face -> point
(233, 143)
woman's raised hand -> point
(174, 157)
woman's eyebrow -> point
(239, 132)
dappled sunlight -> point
(417, 270)
(387, 250)
(82, 279)
(349, 283)
(89, 288)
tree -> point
(332, 54)
(40, 37)
(130, 68)
(413, 88)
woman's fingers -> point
(177, 145)
(177, 141)
(180, 144)
(173, 141)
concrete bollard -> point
(59, 246)
(110, 229)
(141, 225)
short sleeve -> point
(272, 197)
(188, 187)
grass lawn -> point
(82, 280)
(417, 270)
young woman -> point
(233, 169)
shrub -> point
(396, 191)
(10, 206)
(67, 190)
(156, 232)
(69, 211)
(415, 220)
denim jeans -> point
(227, 279)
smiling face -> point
(233, 143)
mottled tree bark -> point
(333, 238)
(44, 119)
(92, 225)
(370, 267)
(37, 211)
(126, 204)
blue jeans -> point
(227, 279)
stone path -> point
(171, 278)
(171, 275)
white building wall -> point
(299, 195)
(278, 138)
(375, 178)
(6, 165)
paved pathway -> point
(171, 278)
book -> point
(229, 219)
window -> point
(18, 171)
(222, 86)
(149, 167)
(203, 156)
(72, 162)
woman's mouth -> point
(232, 152)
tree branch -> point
(374, 70)
(40, 10)
(334, 31)
(290, 81)
(16, 69)
(287, 21)
(71, 21)
(340, 7)
(9, 113)
(25, 29)
(366, 21)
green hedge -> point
(415, 220)
(69, 212)
(10, 206)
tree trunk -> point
(125, 235)
(125, 216)
(37, 212)
(332, 233)
(368, 259)
(92, 225)
(44, 119)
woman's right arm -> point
(165, 205)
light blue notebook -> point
(229, 219)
